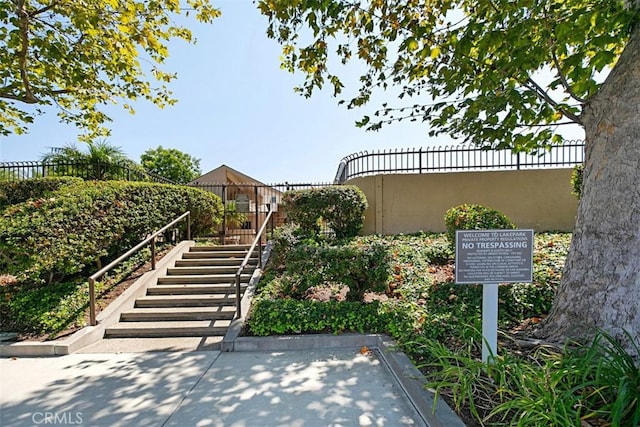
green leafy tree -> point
(172, 164)
(79, 56)
(101, 161)
(479, 70)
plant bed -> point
(57, 311)
(306, 289)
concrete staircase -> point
(194, 298)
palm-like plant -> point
(102, 161)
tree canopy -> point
(505, 74)
(81, 55)
(470, 68)
(172, 164)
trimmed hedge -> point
(290, 316)
(474, 217)
(12, 192)
(80, 224)
(342, 207)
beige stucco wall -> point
(407, 203)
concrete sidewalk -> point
(293, 388)
(318, 380)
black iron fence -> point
(17, 171)
(246, 206)
(455, 158)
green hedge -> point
(81, 224)
(361, 268)
(342, 207)
(290, 316)
(474, 217)
(12, 192)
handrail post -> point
(153, 253)
(238, 297)
(224, 214)
(92, 301)
(189, 226)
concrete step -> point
(209, 300)
(194, 289)
(177, 313)
(187, 328)
(203, 279)
(177, 271)
(220, 248)
(215, 254)
(213, 262)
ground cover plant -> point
(49, 312)
(403, 286)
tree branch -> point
(29, 98)
(542, 94)
(43, 10)
(11, 96)
(563, 79)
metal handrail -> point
(150, 239)
(245, 262)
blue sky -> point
(237, 107)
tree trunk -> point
(600, 286)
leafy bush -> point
(12, 192)
(576, 180)
(286, 316)
(360, 268)
(49, 239)
(341, 207)
(284, 239)
(51, 309)
(43, 309)
(473, 217)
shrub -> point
(342, 207)
(12, 192)
(284, 239)
(362, 268)
(576, 180)
(473, 217)
(47, 239)
(286, 316)
(51, 309)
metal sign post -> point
(489, 321)
(489, 257)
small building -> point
(246, 200)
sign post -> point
(490, 257)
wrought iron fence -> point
(246, 206)
(17, 171)
(455, 158)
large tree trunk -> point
(601, 283)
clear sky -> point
(237, 107)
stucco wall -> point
(407, 203)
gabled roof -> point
(225, 175)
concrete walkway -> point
(296, 388)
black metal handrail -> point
(150, 239)
(455, 158)
(245, 262)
